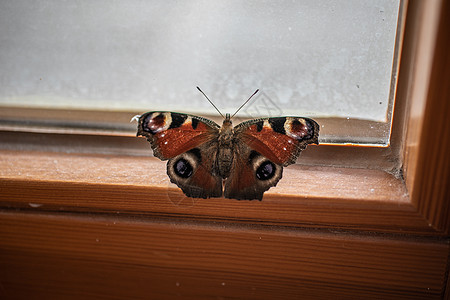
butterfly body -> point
(247, 159)
(225, 148)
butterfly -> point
(247, 159)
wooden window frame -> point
(412, 201)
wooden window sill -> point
(338, 198)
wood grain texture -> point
(432, 179)
(49, 256)
(307, 196)
(427, 143)
(422, 23)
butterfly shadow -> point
(178, 198)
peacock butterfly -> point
(248, 158)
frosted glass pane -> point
(321, 58)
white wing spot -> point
(162, 135)
(284, 148)
(135, 118)
(165, 143)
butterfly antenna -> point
(245, 103)
(210, 102)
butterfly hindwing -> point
(194, 172)
(251, 175)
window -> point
(86, 205)
(360, 198)
(332, 60)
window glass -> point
(331, 60)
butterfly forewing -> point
(171, 134)
(279, 139)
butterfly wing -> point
(279, 139)
(264, 146)
(190, 144)
(171, 134)
(251, 175)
